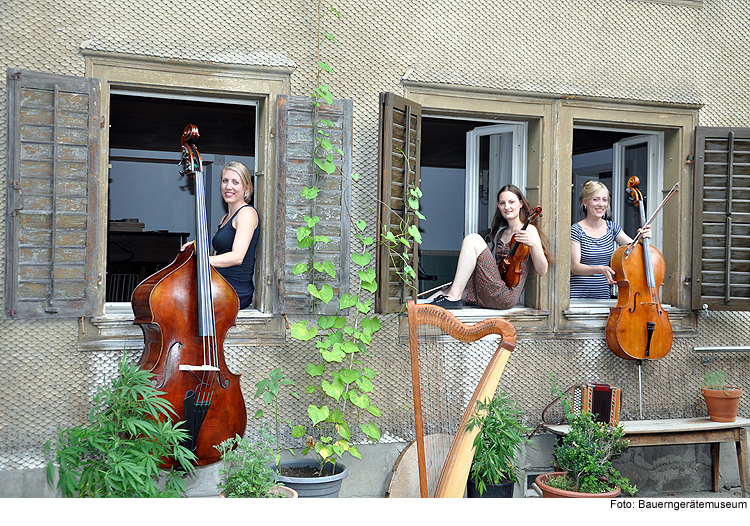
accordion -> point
(601, 400)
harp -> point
(443, 357)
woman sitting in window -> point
(592, 243)
(478, 280)
(235, 240)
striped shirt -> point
(594, 251)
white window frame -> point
(519, 134)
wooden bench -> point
(643, 433)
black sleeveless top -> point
(222, 243)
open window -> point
(612, 156)
(151, 206)
(465, 162)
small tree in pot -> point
(497, 446)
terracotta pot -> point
(722, 404)
(554, 493)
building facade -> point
(544, 94)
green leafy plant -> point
(585, 454)
(268, 389)
(714, 380)
(341, 384)
(119, 453)
(246, 472)
(498, 443)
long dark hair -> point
(499, 222)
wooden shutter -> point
(53, 145)
(295, 150)
(721, 229)
(399, 139)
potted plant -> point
(722, 400)
(118, 452)
(319, 477)
(583, 458)
(247, 471)
(497, 447)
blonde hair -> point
(245, 175)
(590, 189)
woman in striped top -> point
(592, 243)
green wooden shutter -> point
(294, 151)
(721, 229)
(399, 139)
(53, 145)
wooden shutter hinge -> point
(689, 159)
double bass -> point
(185, 311)
(638, 328)
(511, 266)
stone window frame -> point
(552, 119)
(112, 326)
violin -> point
(638, 328)
(185, 311)
(511, 265)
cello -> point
(511, 266)
(185, 311)
(638, 328)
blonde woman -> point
(592, 243)
(237, 236)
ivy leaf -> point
(347, 300)
(334, 390)
(326, 165)
(364, 306)
(371, 326)
(367, 275)
(317, 414)
(361, 259)
(310, 193)
(299, 331)
(325, 294)
(303, 232)
(361, 225)
(299, 268)
(315, 370)
(327, 122)
(348, 376)
(371, 430)
(311, 221)
(371, 286)
(324, 66)
(414, 232)
(355, 176)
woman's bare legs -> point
(472, 246)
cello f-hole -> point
(635, 301)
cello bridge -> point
(198, 368)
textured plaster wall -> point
(612, 49)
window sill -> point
(114, 330)
(525, 319)
(590, 316)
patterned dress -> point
(594, 251)
(486, 287)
